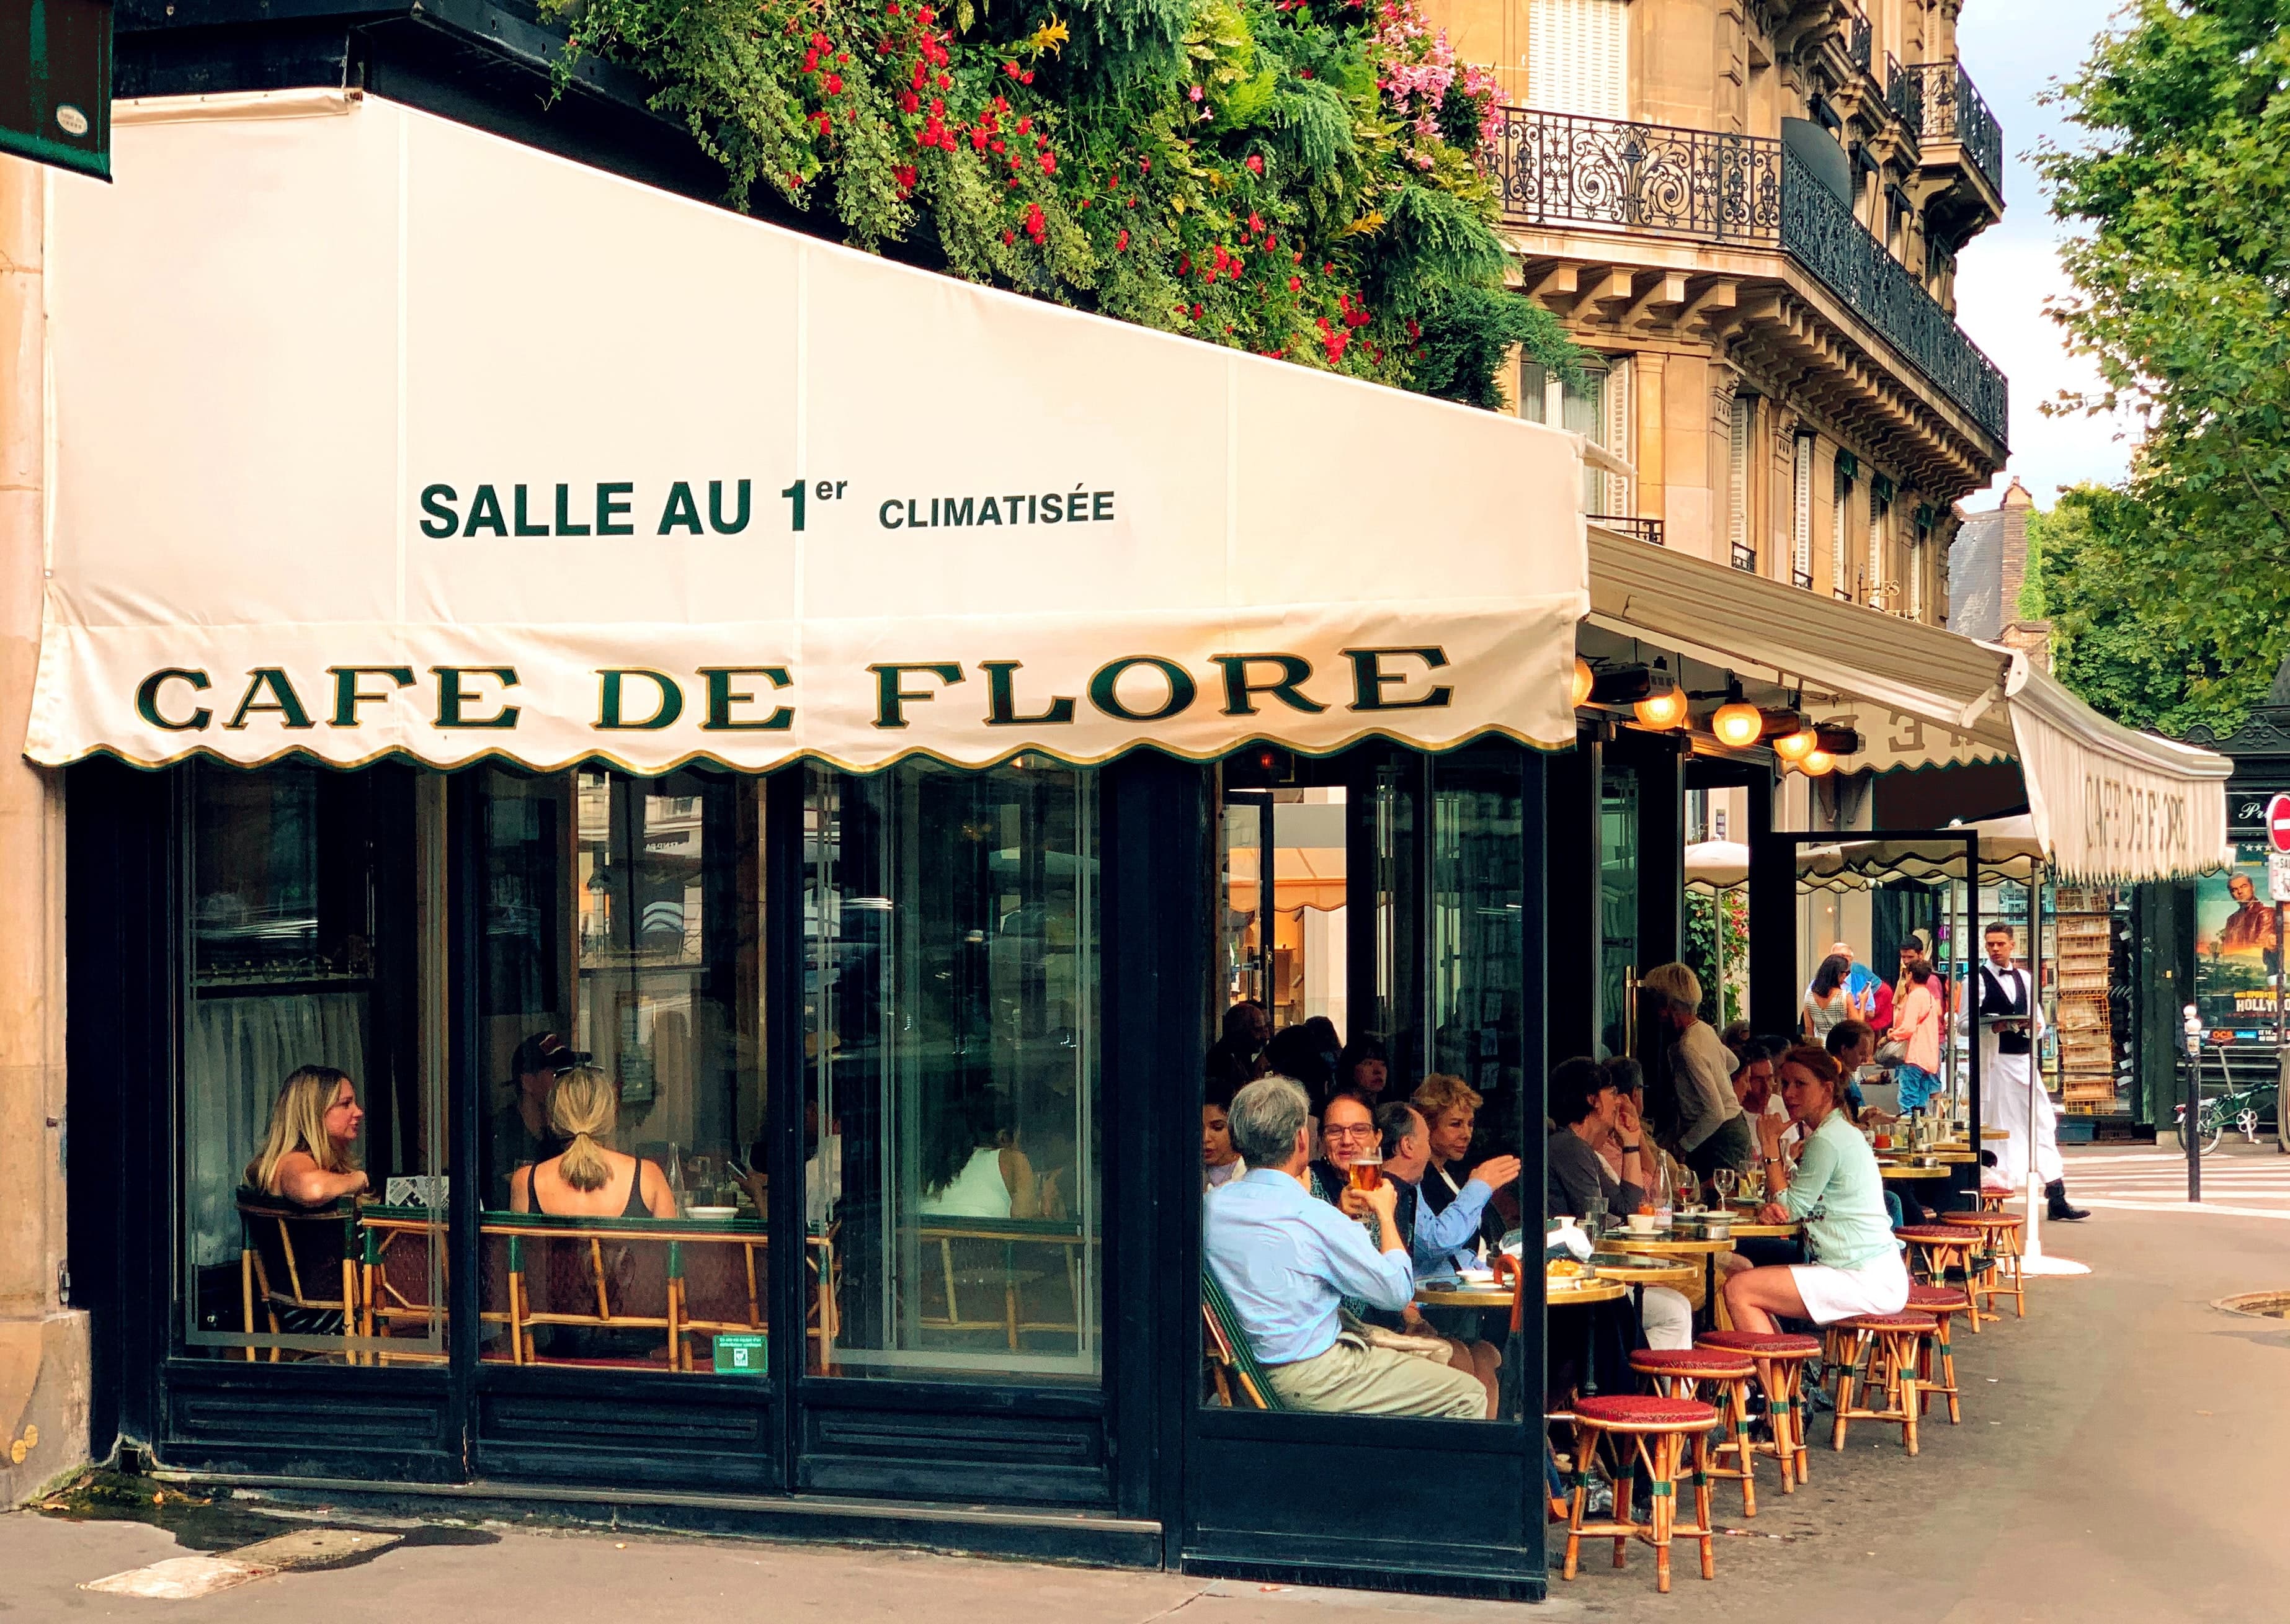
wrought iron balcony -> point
(1644, 530)
(1953, 110)
(1567, 172)
(1905, 93)
(1858, 41)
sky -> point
(2014, 49)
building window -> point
(951, 993)
(1578, 57)
(1840, 530)
(312, 1112)
(1599, 409)
(1801, 513)
(619, 1026)
(1742, 435)
(1880, 591)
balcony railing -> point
(1644, 530)
(1566, 170)
(1954, 111)
(1858, 41)
(1905, 93)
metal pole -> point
(2192, 1132)
(2034, 1245)
(2281, 1042)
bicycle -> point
(2236, 1107)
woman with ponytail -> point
(588, 1180)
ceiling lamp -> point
(1817, 764)
(1585, 679)
(1737, 723)
(1836, 739)
(1797, 746)
(1664, 706)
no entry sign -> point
(2278, 822)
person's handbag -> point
(1892, 1052)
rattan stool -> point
(2002, 1277)
(1646, 1434)
(1935, 1249)
(1780, 1357)
(1992, 1196)
(1682, 1373)
(1942, 1302)
(1881, 1353)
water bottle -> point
(676, 1177)
(1659, 1193)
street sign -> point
(2278, 822)
(55, 83)
(2278, 876)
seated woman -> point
(585, 1179)
(1451, 1106)
(1591, 1115)
(306, 1156)
(1221, 1163)
(1835, 1191)
(973, 1170)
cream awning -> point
(2107, 804)
(377, 434)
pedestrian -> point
(1712, 1130)
(2011, 1019)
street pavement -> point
(2120, 1459)
(2239, 1179)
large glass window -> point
(312, 1136)
(620, 1022)
(951, 990)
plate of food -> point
(714, 1214)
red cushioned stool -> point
(1942, 1302)
(1880, 1353)
(1781, 1357)
(1935, 1249)
(1684, 1373)
(2001, 1276)
(1630, 1435)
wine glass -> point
(1727, 1178)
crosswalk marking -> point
(2239, 1180)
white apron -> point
(2005, 1094)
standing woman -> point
(1916, 1028)
(1830, 999)
(306, 1156)
(1835, 1191)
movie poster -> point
(2236, 953)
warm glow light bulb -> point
(1667, 709)
(1583, 678)
(1738, 724)
(1797, 746)
(1816, 763)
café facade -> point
(882, 723)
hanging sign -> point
(55, 84)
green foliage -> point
(1706, 916)
(2173, 592)
(1298, 178)
(2134, 657)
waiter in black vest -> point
(2012, 1095)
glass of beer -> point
(1366, 1173)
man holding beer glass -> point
(1286, 1260)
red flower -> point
(1272, 241)
(1121, 243)
(1196, 313)
(1255, 164)
(909, 102)
(1035, 227)
(946, 81)
(1255, 224)
(834, 85)
(1296, 284)
(1009, 238)
(1049, 163)
(1025, 123)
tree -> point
(2174, 590)
(2129, 656)
(1303, 178)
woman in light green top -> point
(1835, 1191)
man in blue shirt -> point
(1287, 1260)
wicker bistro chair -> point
(1626, 1435)
(588, 1291)
(396, 1246)
(2001, 1276)
(1232, 1363)
(1935, 1249)
(1880, 1355)
(1781, 1357)
(301, 1264)
(1686, 1372)
(1936, 1369)
(1024, 1268)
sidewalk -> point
(2120, 1459)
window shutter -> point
(1841, 531)
(1620, 437)
(1801, 514)
(1578, 57)
(1737, 482)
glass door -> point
(1618, 911)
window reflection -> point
(950, 1000)
(621, 1011)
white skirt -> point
(1831, 1294)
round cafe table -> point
(1666, 1246)
(1570, 1291)
(1750, 1229)
(1899, 1171)
(1651, 1271)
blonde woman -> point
(306, 1155)
(588, 1180)
(1451, 1108)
